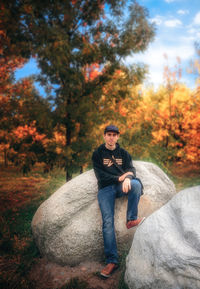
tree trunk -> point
(5, 158)
(68, 143)
(68, 176)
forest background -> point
(79, 47)
(88, 87)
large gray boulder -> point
(67, 226)
(165, 252)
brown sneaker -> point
(108, 270)
(134, 223)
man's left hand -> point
(126, 185)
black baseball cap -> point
(112, 128)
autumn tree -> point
(162, 123)
(8, 65)
(7, 103)
(23, 113)
(118, 104)
(68, 35)
(171, 126)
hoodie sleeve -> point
(100, 172)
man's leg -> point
(106, 199)
(133, 200)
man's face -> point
(111, 139)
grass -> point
(185, 176)
(19, 199)
(121, 284)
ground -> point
(21, 266)
(47, 275)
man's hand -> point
(126, 185)
(122, 177)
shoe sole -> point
(138, 224)
(104, 276)
(107, 276)
(141, 221)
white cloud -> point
(197, 19)
(175, 38)
(173, 23)
(193, 33)
(192, 30)
(188, 38)
(183, 12)
(157, 20)
(154, 58)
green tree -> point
(68, 37)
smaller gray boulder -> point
(165, 253)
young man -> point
(116, 177)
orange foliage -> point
(22, 132)
(176, 123)
(73, 2)
(91, 72)
(11, 102)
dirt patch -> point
(47, 275)
(17, 191)
(187, 170)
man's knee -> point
(136, 186)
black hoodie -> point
(106, 172)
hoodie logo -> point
(108, 162)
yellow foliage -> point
(59, 138)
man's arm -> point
(99, 171)
(128, 164)
(130, 173)
(122, 177)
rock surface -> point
(165, 252)
(67, 226)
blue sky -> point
(178, 27)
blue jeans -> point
(106, 199)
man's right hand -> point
(126, 185)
